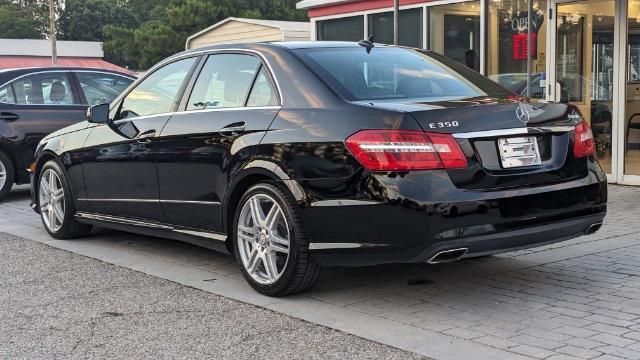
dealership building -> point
(586, 53)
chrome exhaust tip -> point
(447, 256)
(593, 228)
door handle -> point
(7, 116)
(233, 129)
(146, 136)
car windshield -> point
(397, 73)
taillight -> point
(584, 144)
(402, 150)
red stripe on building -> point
(357, 6)
(11, 62)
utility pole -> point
(396, 10)
(52, 35)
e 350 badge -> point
(443, 124)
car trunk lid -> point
(508, 143)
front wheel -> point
(57, 209)
(270, 243)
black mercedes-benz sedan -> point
(35, 102)
(294, 156)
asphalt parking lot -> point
(56, 304)
(574, 300)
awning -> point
(11, 62)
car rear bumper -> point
(418, 216)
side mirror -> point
(98, 114)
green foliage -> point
(155, 40)
(15, 23)
(86, 19)
(135, 33)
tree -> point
(120, 46)
(136, 33)
(16, 23)
(86, 19)
(155, 40)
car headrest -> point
(58, 92)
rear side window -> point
(224, 82)
(158, 93)
(101, 88)
(42, 89)
(395, 73)
(262, 93)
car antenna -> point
(367, 43)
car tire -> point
(56, 205)
(260, 245)
(7, 175)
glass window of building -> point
(455, 32)
(507, 47)
(632, 116)
(584, 66)
(342, 29)
(409, 27)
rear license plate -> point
(519, 151)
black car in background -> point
(294, 156)
(35, 102)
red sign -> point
(520, 45)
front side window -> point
(101, 88)
(395, 73)
(43, 89)
(158, 93)
(224, 82)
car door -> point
(36, 105)
(230, 105)
(120, 171)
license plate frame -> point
(519, 151)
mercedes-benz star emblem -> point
(522, 113)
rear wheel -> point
(270, 243)
(57, 209)
(7, 175)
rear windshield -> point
(397, 73)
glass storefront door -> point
(632, 114)
(455, 32)
(584, 53)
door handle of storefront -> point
(8, 117)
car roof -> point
(291, 45)
(7, 73)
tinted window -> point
(342, 29)
(157, 93)
(395, 73)
(43, 89)
(409, 27)
(262, 93)
(223, 82)
(101, 88)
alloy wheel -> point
(263, 239)
(51, 200)
(3, 174)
